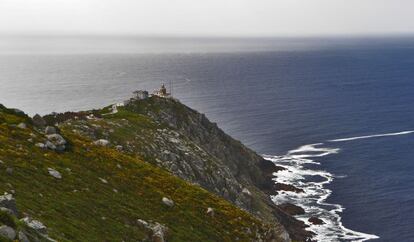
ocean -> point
(337, 113)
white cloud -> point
(212, 17)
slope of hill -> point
(151, 169)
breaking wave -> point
(313, 199)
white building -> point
(162, 92)
(141, 94)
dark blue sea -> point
(337, 113)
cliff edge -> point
(170, 135)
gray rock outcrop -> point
(101, 142)
(35, 225)
(38, 121)
(22, 125)
(23, 237)
(27, 228)
(54, 173)
(168, 202)
(50, 130)
(191, 147)
(158, 232)
(7, 232)
(7, 201)
(56, 142)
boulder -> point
(41, 145)
(287, 187)
(38, 121)
(54, 173)
(316, 220)
(168, 202)
(50, 145)
(143, 223)
(246, 192)
(35, 225)
(7, 232)
(6, 210)
(56, 139)
(50, 130)
(57, 142)
(9, 170)
(23, 237)
(101, 142)
(210, 212)
(22, 125)
(291, 209)
(7, 201)
(159, 232)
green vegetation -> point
(103, 192)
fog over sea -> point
(338, 113)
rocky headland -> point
(149, 169)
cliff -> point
(125, 171)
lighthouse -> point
(162, 92)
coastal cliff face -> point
(183, 141)
(63, 186)
(152, 170)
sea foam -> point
(313, 199)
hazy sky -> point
(208, 17)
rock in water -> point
(316, 221)
(54, 173)
(291, 209)
(7, 232)
(168, 202)
(287, 187)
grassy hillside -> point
(103, 192)
(168, 134)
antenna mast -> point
(171, 88)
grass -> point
(80, 207)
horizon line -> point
(207, 36)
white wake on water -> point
(372, 136)
(313, 199)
